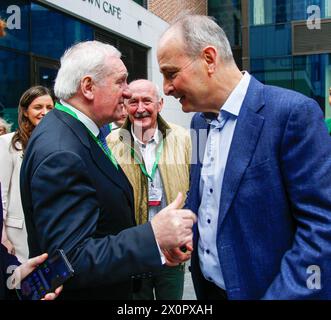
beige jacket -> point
(10, 166)
(174, 163)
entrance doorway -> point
(44, 71)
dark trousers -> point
(207, 290)
(213, 292)
(168, 284)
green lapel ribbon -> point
(155, 165)
(108, 152)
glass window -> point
(276, 72)
(53, 32)
(300, 8)
(270, 11)
(311, 76)
(228, 16)
(134, 56)
(16, 14)
(267, 41)
(16, 67)
(143, 3)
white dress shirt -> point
(148, 151)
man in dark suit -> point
(76, 197)
(260, 177)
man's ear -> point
(209, 55)
(86, 85)
(160, 105)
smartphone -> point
(46, 277)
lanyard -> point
(142, 166)
(73, 114)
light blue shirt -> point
(212, 173)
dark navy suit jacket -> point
(74, 199)
(274, 223)
(6, 260)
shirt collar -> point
(155, 137)
(88, 123)
(233, 103)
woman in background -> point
(33, 106)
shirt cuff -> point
(163, 259)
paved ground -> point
(188, 285)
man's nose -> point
(126, 92)
(168, 88)
(141, 107)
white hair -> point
(5, 125)
(200, 31)
(84, 58)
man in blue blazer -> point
(75, 195)
(260, 175)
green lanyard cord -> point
(155, 165)
(108, 152)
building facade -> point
(40, 31)
(168, 10)
(281, 42)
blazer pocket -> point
(14, 222)
(261, 169)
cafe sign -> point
(106, 7)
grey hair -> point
(84, 58)
(4, 124)
(200, 31)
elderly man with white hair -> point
(155, 156)
(75, 195)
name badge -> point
(154, 196)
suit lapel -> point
(246, 135)
(106, 166)
(99, 157)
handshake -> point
(172, 228)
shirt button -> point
(211, 190)
(208, 220)
(207, 251)
(212, 159)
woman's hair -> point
(25, 127)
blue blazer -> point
(274, 224)
(74, 199)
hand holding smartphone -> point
(46, 277)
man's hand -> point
(176, 256)
(172, 226)
(26, 268)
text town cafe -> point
(106, 6)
